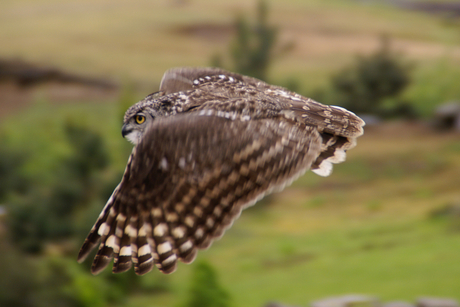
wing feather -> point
(193, 173)
(188, 180)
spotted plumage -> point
(207, 145)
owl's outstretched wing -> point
(188, 180)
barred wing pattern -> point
(220, 142)
(187, 181)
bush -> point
(47, 212)
(18, 277)
(252, 50)
(205, 290)
(254, 46)
(371, 81)
(11, 178)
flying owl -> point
(207, 145)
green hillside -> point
(386, 221)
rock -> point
(275, 304)
(398, 304)
(447, 116)
(436, 302)
(354, 300)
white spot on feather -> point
(142, 232)
(160, 230)
(110, 241)
(164, 164)
(178, 232)
(209, 222)
(199, 233)
(325, 169)
(157, 212)
(169, 260)
(125, 251)
(144, 250)
(189, 221)
(182, 162)
(130, 231)
(103, 230)
(186, 246)
(338, 157)
(163, 248)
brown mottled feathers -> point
(222, 142)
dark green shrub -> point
(364, 86)
(11, 178)
(205, 290)
(254, 47)
(47, 212)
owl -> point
(207, 145)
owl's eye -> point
(140, 119)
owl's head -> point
(133, 128)
(138, 118)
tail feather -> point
(338, 128)
(333, 151)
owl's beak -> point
(125, 130)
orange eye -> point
(140, 119)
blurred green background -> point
(385, 223)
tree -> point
(254, 46)
(47, 213)
(11, 177)
(365, 85)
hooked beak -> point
(125, 130)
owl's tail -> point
(338, 128)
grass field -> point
(139, 40)
(369, 228)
